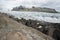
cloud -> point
(52, 4)
(9, 4)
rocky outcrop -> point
(34, 9)
(12, 30)
(51, 29)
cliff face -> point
(35, 9)
(12, 30)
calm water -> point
(41, 16)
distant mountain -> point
(34, 9)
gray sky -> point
(9, 4)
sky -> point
(9, 4)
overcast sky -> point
(9, 4)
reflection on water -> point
(48, 17)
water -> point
(41, 16)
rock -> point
(15, 36)
(12, 30)
(44, 27)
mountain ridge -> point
(34, 9)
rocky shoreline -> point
(50, 29)
(12, 29)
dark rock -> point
(12, 30)
(51, 29)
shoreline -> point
(44, 27)
(13, 25)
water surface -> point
(41, 16)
